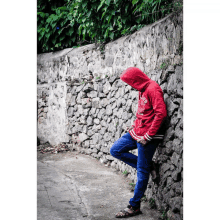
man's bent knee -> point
(113, 151)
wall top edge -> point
(53, 55)
(71, 51)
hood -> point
(135, 78)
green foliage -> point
(144, 199)
(132, 186)
(64, 24)
(164, 215)
(152, 203)
(163, 65)
(125, 172)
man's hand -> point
(142, 141)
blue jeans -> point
(120, 150)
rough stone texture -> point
(52, 123)
(78, 104)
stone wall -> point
(82, 101)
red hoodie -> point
(151, 107)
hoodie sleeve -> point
(156, 97)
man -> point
(144, 134)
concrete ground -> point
(77, 186)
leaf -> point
(108, 2)
(48, 20)
(111, 35)
(89, 13)
(62, 38)
(126, 8)
(84, 4)
(63, 8)
(134, 2)
(53, 25)
(113, 12)
(137, 8)
(106, 33)
(104, 14)
(124, 31)
(123, 20)
(41, 14)
(54, 17)
(84, 33)
(80, 28)
(47, 35)
(102, 2)
(109, 18)
(93, 35)
(39, 38)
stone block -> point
(174, 159)
(92, 94)
(171, 107)
(106, 87)
(79, 88)
(86, 144)
(176, 176)
(108, 110)
(176, 204)
(88, 87)
(103, 160)
(95, 138)
(96, 103)
(177, 146)
(171, 215)
(94, 150)
(83, 137)
(134, 108)
(165, 167)
(96, 121)
(107, 136)
(104, 102)
(104, 149)
(89, 121)
(109, 157)
(169, 148)
(100, 154)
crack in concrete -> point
(76, 190)
(44, 186)
(48, 196)
(78, 194)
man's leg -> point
(120, 150)
(145, 155)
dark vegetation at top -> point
(64, 23)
